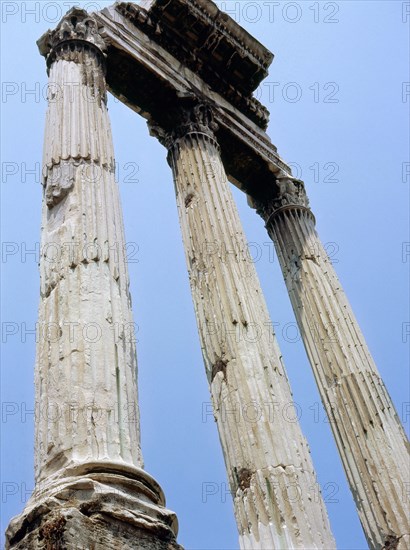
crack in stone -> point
(219, 366)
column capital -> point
(191, 117)
(290, 194)
(76, 31)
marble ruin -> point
(190, 71)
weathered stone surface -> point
(267, 458)
(95, 506)
(90, 489)
(370, 438)
(86, 360)
(91, 492)
(211, 44)
(70, 529)
(146, 76)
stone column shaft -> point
(90, 489)
(87, 371)
(271, 476)
(370, 438)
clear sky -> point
(339, 112)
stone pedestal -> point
(96, 506)
(271, 476)
(368, 432)
(91, 491)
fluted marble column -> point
(271, 476)
(87, 366)
(370, 438)
(91, 491)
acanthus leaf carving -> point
(196, 117)
(77, 24)
(290, 193)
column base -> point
(95, 506)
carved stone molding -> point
(198, 119)
(76, 32)
(227, 58)
(106, 505)
(151, 84)
(194, 118)
(291, 194)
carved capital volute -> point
(290, 195)
(190, 119)
(196, 119)
(76, 31)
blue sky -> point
(339, 113)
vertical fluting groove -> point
(267, 458)
(118, 387)
(91, 491)
(371, 441)
(85, 293)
